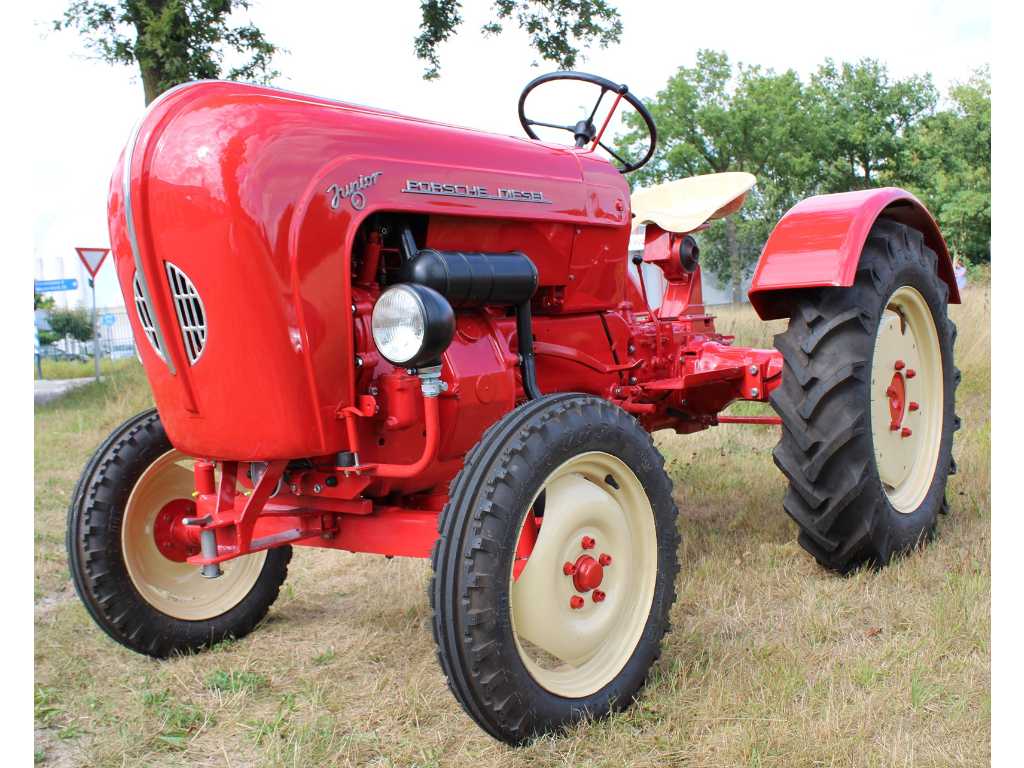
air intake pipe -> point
(479, 279)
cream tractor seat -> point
(687, 204)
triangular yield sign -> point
(92, 258)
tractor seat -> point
(687, 204)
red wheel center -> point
(588, 574)
(897, 394)
(175, 541)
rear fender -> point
(819, 240)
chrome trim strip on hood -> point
(126, 191)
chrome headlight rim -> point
(435, 317)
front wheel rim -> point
(172, 587)
(580, 605)
(907, 399)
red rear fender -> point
(818, 243)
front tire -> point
(134, 583)
(867, 405)
(555, 567)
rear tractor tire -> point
(555, 567)
(867, 405)
(134, 582)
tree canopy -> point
(558, 29)
(174, 41)
(851, 126)
(949, 164)
(71, 323)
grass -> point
(78, 369)
(771, 662)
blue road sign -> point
(53, 286)
(108, 319)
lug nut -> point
(605, 559)
(575, 602)
(890, 392)
(568, 569)
(587, 542)
(900, 365)
(911, 373)
(913, 406)
(598, 596)
(905, 432)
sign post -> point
(93, 258)
(107, 321)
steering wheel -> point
(584, 131)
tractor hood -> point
(232, 215)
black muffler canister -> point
(474, 279)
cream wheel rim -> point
(571, 643)
(906, 399)
(177, 588)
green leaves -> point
(714, 118)
(852, 126)
(172, 41)
(867, 117)
(74, 323)
(950, 166)
(558, 29)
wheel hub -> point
(171, 536)
(587, 574)
(896, 393)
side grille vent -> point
(191, 313)
(145, 317)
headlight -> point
(412, 325)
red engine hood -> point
(255, 195)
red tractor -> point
(382, 334)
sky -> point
(362, 53)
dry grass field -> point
(772, 661)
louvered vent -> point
(146, 317)
(191, 314)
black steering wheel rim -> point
(606, 86)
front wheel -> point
(555, 567)
(131, 576)
(867, 405)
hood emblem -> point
(352, 191)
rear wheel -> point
(126, 566)
(867, 405)
(555, 568)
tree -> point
(557, 28)
(172, 41)
(950, 166)
(711, 120)
(73, 323)
(41, 301)
(866, 117)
